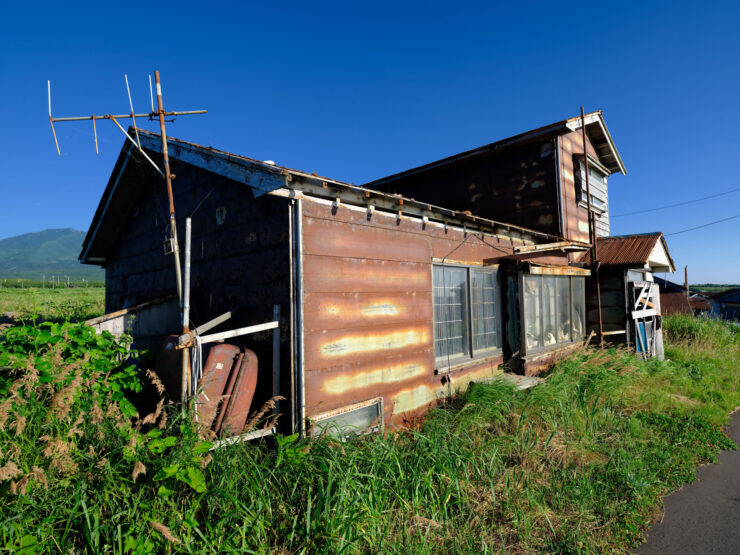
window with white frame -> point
(467, 315)
(554, 311)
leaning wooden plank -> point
(235, 333)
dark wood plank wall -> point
(517, 185)
(240, 257)
(368, 308)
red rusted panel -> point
(328, 388)
(629, 250)
(237, 409)
(342, 275)
(219, 366)
(331, 238)
(331, 311)
(333, 347)
(575, 216)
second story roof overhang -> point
(596, 127)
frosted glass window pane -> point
(579, 308)
(484, 299)
(563, 296)
(549, 308)
(451, 337)
(532, 312)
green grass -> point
(75, 304)
(577, 464)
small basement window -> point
(467, 316)
(554, 311)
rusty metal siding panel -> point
(341, 275)
(329, 348)
(351, 310)
(339, 239)
(576, 216)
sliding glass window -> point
(467, 316)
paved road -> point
(703, 517)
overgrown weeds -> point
(577, 464)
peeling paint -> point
(364, 343)
(379, 309)
(410, 399)
(389, 374)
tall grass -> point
(576, 464)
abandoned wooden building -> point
(388, 304)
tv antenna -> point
(159, 113)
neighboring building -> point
(630, 300)
(674, 298)
(700, 304)
(725, 304)
(388, 303)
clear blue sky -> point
(355, 91)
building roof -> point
(674, 303)
(595, 125)
(638, 251)
(669, 286)
(728, 296)
(127, 180)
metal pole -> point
(186, 312)
(592, 228)
(168, 180)
(299, 309)
(686, 280)
(125, 116)
(276, 358)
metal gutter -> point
(300, 366)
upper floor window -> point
(467, 315)
(597, 184)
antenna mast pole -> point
(168, 180)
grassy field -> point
(75, 304)
(577, 464)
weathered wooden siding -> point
(575, 216)
(368, 308)
(240, 258)
(516, 186)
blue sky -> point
(355, 91)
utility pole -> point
(592, 228)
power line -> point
(676, 204)
(704, 225)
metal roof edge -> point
(252, 173)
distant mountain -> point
(49, 252)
